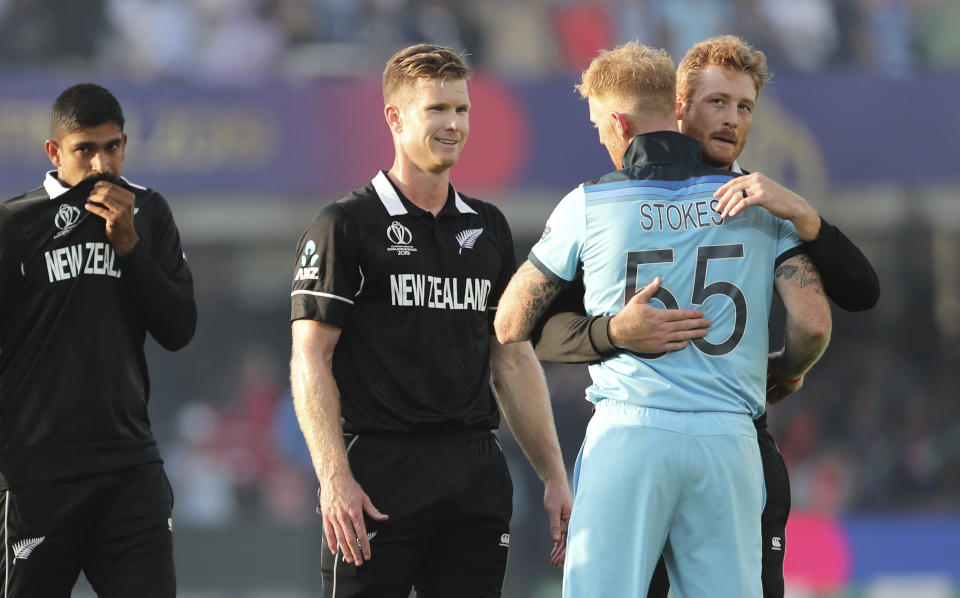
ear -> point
(392, 114)
(622, 124)
(123, 148)
(681, 107)
(53, 151)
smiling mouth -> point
(450, 142)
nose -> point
(730, 117)
(99, 163)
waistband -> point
(613, 413)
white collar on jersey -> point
(391, 201)
(736, 168)
(55, 188)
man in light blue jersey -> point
(670, 460)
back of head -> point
(82, 106)
(637, 79)
(726, 52)
(421, 61)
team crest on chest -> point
(467, 238)
(401, 239)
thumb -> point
(371, 510)
(556, 525)
(648, 291)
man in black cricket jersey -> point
(394, 291)
(717, 85)
(89, 263)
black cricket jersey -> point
(73, 319)
(414, 296)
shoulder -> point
(356, 206)
(26, 200)
(486, 210)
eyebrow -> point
(89, 144)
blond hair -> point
(726, 52)
(639, 78)
(421, 61)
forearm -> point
(524, 301)
(802, 349)
(167, 306)
(808, 322)
(316, 401)
(525, 400)
(848, 277)
(569, 337)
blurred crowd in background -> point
(247, 41)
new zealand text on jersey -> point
(83, 258)
(438, 292)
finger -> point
(371, 510)
(347, 537)
(673, 346)
(556, 525)
(356, 533)
(558, 554)
(734, 204)
(98, 209)
(342, 543)
(693, 324)
(686, 335)
(648, 291)
(672, 315)
(331, 536)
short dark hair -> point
(82, 106)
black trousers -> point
(115, 527)
(773, 524)
(449, 497)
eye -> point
(745, 107)
(717, 101)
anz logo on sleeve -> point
(308, 263)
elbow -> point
(506, 330)
(818, 329)
(508, 335)
(177, 337)
(505, 336)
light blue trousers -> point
(688, 485)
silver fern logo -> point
(467, 238)
(23, 548)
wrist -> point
(807, 225)
(785, 381)
(126, 246)
(600, 336)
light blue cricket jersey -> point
(654, 218)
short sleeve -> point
(326, 272)
(508, 265)
(788, 243)
(557, 253)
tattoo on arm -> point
(536, 294)
(809, 275)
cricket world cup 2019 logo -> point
(401, 239)
(66, 219)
